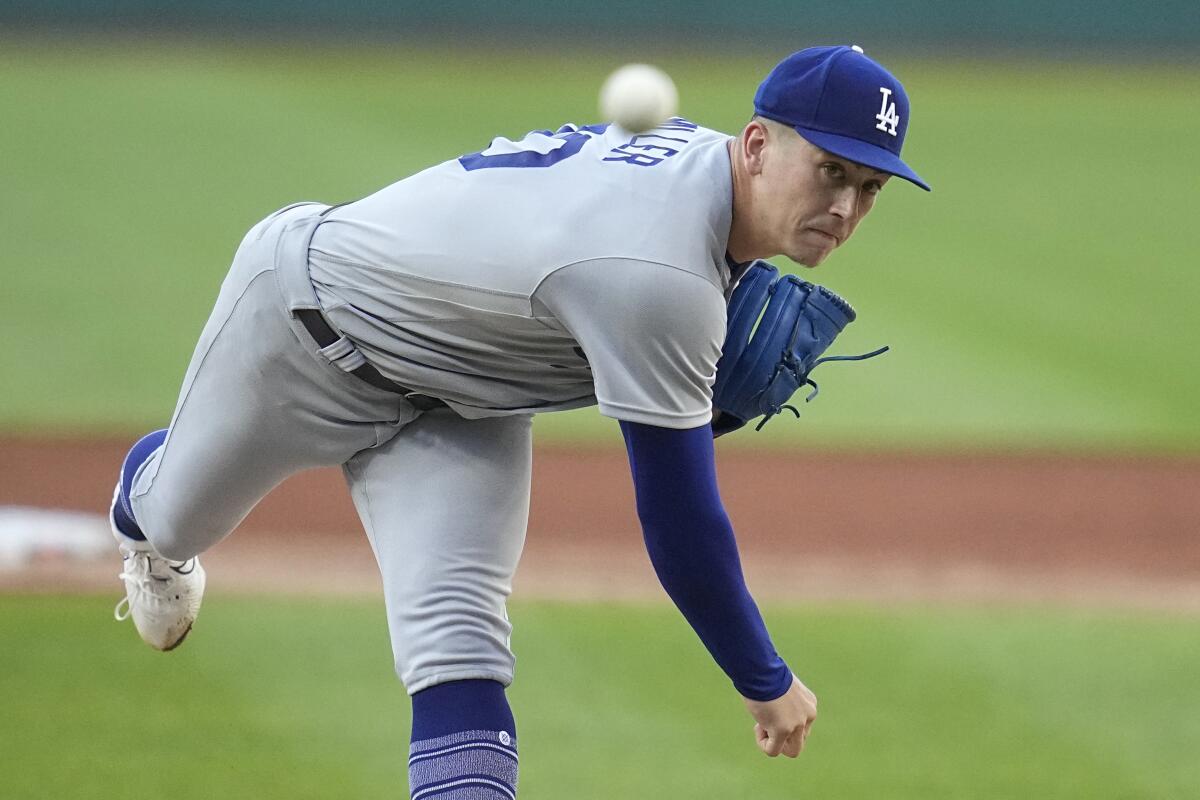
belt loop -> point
(344, 355)
(291, 263)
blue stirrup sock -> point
(464, 743)
(122, 510)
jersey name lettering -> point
(648, 149)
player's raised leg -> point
(258, 403)
(446, 504)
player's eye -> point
(872, 187)
(832, 169)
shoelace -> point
(137, 569)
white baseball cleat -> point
(162, 596)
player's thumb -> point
(771, 745)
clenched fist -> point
(782, 725)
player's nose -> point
(844, 202)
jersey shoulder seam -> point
(537, 287)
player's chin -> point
(810, 248)
(809, 256)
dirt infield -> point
(877, 528)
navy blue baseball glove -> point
(762, 366)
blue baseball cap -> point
(843, 102)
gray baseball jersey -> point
(560, 270)
(563, 269)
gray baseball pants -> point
(444, 500)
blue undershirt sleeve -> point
(690, 542)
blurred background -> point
(980, 550)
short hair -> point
(772, 125)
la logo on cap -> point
(887, 116)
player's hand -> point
(782, 725)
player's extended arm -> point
(691, 545)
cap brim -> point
(863, 153)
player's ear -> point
(754, 141)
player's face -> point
(813, 199)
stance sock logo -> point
(887, 116)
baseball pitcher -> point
(410, 336)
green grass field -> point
(296, 699)
(1038, 298)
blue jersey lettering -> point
(646, 150)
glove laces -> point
(789, 362)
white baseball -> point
(638, 97)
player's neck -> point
(744, 242)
